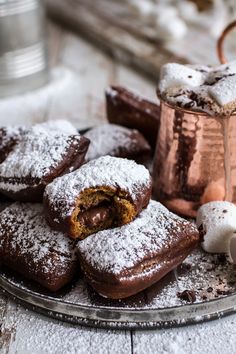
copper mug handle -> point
(220, 42)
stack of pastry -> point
(93, 211)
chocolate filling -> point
(96, 215)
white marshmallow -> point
(226, 68)
(218, 220)
(171, 28)
(166, 11)
(231, 66)
(188, 10)
(143, 8)
(177, 75)
(224, 91)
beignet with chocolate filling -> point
(36, 158)
(133, 111)
(123, 261)
(114, 140)
(31, 248)
(103, 193)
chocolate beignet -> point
(103, 193)
(123, 261)
(114, 140)
(133, 111)
(36, 158)
(31, 248)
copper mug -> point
(195, 159)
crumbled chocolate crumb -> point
(221, 258)
(186, 266)
(225, 211)
(204, 297)
(187, 295)
(202, 233)
(231, 283)
(189, 104)
(210, 289)
(210, 269)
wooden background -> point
(111, 25)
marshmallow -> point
(218, 221)
(177, 75)
(224, 91)
(188, 10)
(143, 7)
(171, 28)
(229, 68)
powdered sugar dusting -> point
(122, 248)
(61, 125)
(35, 155)
(104, 171)
(8, 134)
(27, 230)
(111, 139)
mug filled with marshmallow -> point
(195, 159)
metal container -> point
(195, 160)
(23, 49)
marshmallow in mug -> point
(177, 75)
(224, 91)
(203, 88)
(218, 223)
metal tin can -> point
(23, 49)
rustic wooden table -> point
(25, 332)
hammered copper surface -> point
(191, 160)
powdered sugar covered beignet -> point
(131, 110)
(103, 193)
(115, 140)
(30, 247)
(36, 158)
(123, 261)
(217, 223)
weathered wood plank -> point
(118, 42)
(112, 25)
(213, 337)
(7, 334)
(36, 334)
(92, 74)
